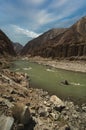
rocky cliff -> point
(70, 42)
(6, 47)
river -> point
(50, 79)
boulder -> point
(20, 127)
(6, 123)
(21, 113)
(65, 82)
(84, 108)
(42, 111)
(57, 103)
(54, 116)
(65, 127)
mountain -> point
(65, 43)
(6, 47)
(17, 47)
(39, 42)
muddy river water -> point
(52, 80)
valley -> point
(44, 82)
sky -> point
(23, 20)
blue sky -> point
(23, 20)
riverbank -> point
(26, 108)
(75, 65)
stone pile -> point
(26, 108)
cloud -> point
(56, 4)
(26, 14)
(65, 8)
(19, 34)
(56, 11)
(27, 17)
(26, 32)
(44, 17)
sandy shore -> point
(79, 66)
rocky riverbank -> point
(6, 61)
(26, 108)
(74, 65)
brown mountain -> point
(66, 43)
(37, 43)
(6, 47)
(17, 47)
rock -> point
(43, 127)
(42, 111)
(65, 82)
(9, 104)
(10, 98)
(65, 127)
(55, 100)
(6, 123)
(54, 116)
(75, 128)
(47, 103)
(21, 113)
(75, 115)
(33, 112)
(5, 107)
(20, 127)
(58, 103)
(39, 121)
(84, 108)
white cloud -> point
(18, 34)
(55, 11)
(65, 8)
(37, 15)
(43, 17)
(34, 18)
(23, 31)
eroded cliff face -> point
(6, 47)
(67, 43)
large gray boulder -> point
(6, 123)
(57, 103)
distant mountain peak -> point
(17, 47)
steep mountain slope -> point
(71, 43)
(67, 43)
(6, 47)
(17, 47)
(39, 42)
